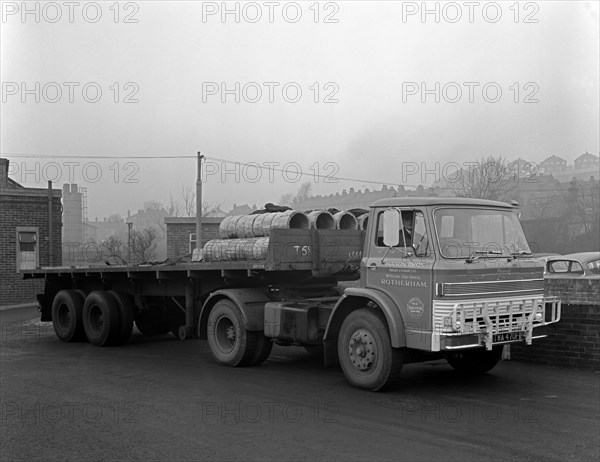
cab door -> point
(404, 272)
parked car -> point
(543, 257)
(575, 265)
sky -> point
(120, 96)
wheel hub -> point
(64, 316)
(362, 349)
(96, 318)
(225, 334)
(230, 333)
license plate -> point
(508, 337)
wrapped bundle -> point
(227, 228)
(266, 224)
(244, 227)
(260, 247)
(236, 249)
(215, 250)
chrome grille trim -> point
(455, 289)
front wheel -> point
(264, 345)
(365, 351)
(229, 341)
(477, 361)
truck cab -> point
(447, 277)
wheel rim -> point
(96, 319)
(362, 350)
(225, 334)
(64, 316)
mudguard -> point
(250, 301)
(356, 298)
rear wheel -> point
(230, 343)
(101, 318)
(125, 305)
(365, 351)
(477, 361)
(67, 315)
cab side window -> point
(413, 232)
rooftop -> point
(423, 201)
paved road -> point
(162, 399)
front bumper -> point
(489, 322)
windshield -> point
(462, 232)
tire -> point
(151, 323)
(264, 345)
(230, 343)
(473, 362)
(125, 305)
(101, 318)
(365, 351)
(67, 316)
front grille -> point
(495, 287)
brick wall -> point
(574, 341)
(178, 233)
(27, 207)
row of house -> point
(554, 164)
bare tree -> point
(174, 207)
(189, 201)
(188, 207)
(143, 245)
(189, 204)
(489, 178)
(114, 250)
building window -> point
(192, 245)
(27, 248)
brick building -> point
(181, 234)
(30, 236)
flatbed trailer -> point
(165, 297)
(421, 291)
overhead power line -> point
(245, 164)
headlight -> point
(539, 314)
(455, 326)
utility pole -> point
(199, 203)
